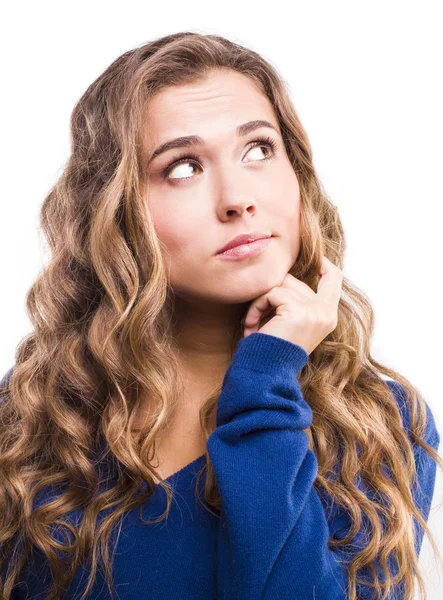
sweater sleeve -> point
(273, 534)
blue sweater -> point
(271, 540)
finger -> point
(256, 311)
(266, 303)
(297, 285)
(330, 285)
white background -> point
(365, 79)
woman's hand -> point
(302, 317)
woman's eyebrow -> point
(195, 140)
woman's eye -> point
(182, 166)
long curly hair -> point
(102, 314)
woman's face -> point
(230, 187)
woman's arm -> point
(273, 534)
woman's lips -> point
(246, 250)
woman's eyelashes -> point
(194, 160)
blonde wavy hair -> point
(102, 314)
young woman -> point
(187, 421)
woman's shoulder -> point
(4, 380)
(432, 435)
